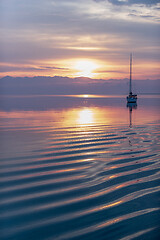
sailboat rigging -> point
(131, 98)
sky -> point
(73, 38)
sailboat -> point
(131, 98)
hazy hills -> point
(64, 85)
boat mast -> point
(130, 82)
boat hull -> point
(131, 99)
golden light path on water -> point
(76, 116)
(86, 116)
(70, 117)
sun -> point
(85, 68)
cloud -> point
(38, 33)
(19, 68)
(145, 2)
(131, 2)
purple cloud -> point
(131, 2)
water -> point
(79, 167)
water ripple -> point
(84, 182)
